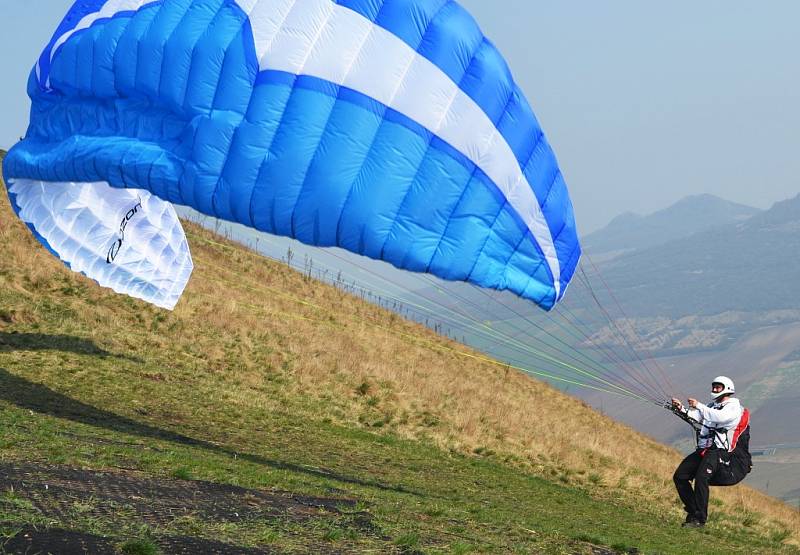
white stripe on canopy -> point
(323, 39)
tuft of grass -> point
(461, 548)
(333, 534)
(8, 531)
(12, 499)
(182, 473)
(268, 536)
(144, 546)
(750, 519)
(595, 479)
(363, 388)
(408, 540)
(83, 507)
(781, 535)
(434, 511)
(588, 538)
(624, 548)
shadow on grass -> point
(40, 398)
(13, 341)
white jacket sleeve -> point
(725, 417)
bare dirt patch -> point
(31, 540)
(60, 494)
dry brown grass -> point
(380, 371)
(372, 369)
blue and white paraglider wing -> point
(390, 128)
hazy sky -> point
(644, 102)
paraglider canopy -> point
(392, 129)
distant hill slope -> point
(750, 266)
(688, 216)
(343, 427)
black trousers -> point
(712, 469)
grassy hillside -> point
(271, 413)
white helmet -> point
(727, 387)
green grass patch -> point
(140, 547)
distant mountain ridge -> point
(751, 265)
(686, 217)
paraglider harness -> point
(737, 451)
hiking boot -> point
(693, 523)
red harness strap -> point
(744, 422)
